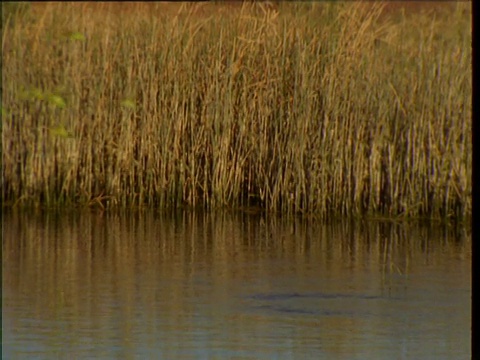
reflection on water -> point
(217, 286)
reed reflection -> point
(188, 284)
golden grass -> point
(331, 109)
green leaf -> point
(77, 36)
(127, 103)
(57, 101)
(32, 94)
(37, 94)
(61, 131)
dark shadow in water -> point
(290, 296)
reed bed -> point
(326, 109)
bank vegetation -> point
(313, 108)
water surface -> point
(232, 286)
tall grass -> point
(322, 109)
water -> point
(232, 286)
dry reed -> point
(324, 110)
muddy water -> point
(232, 286)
